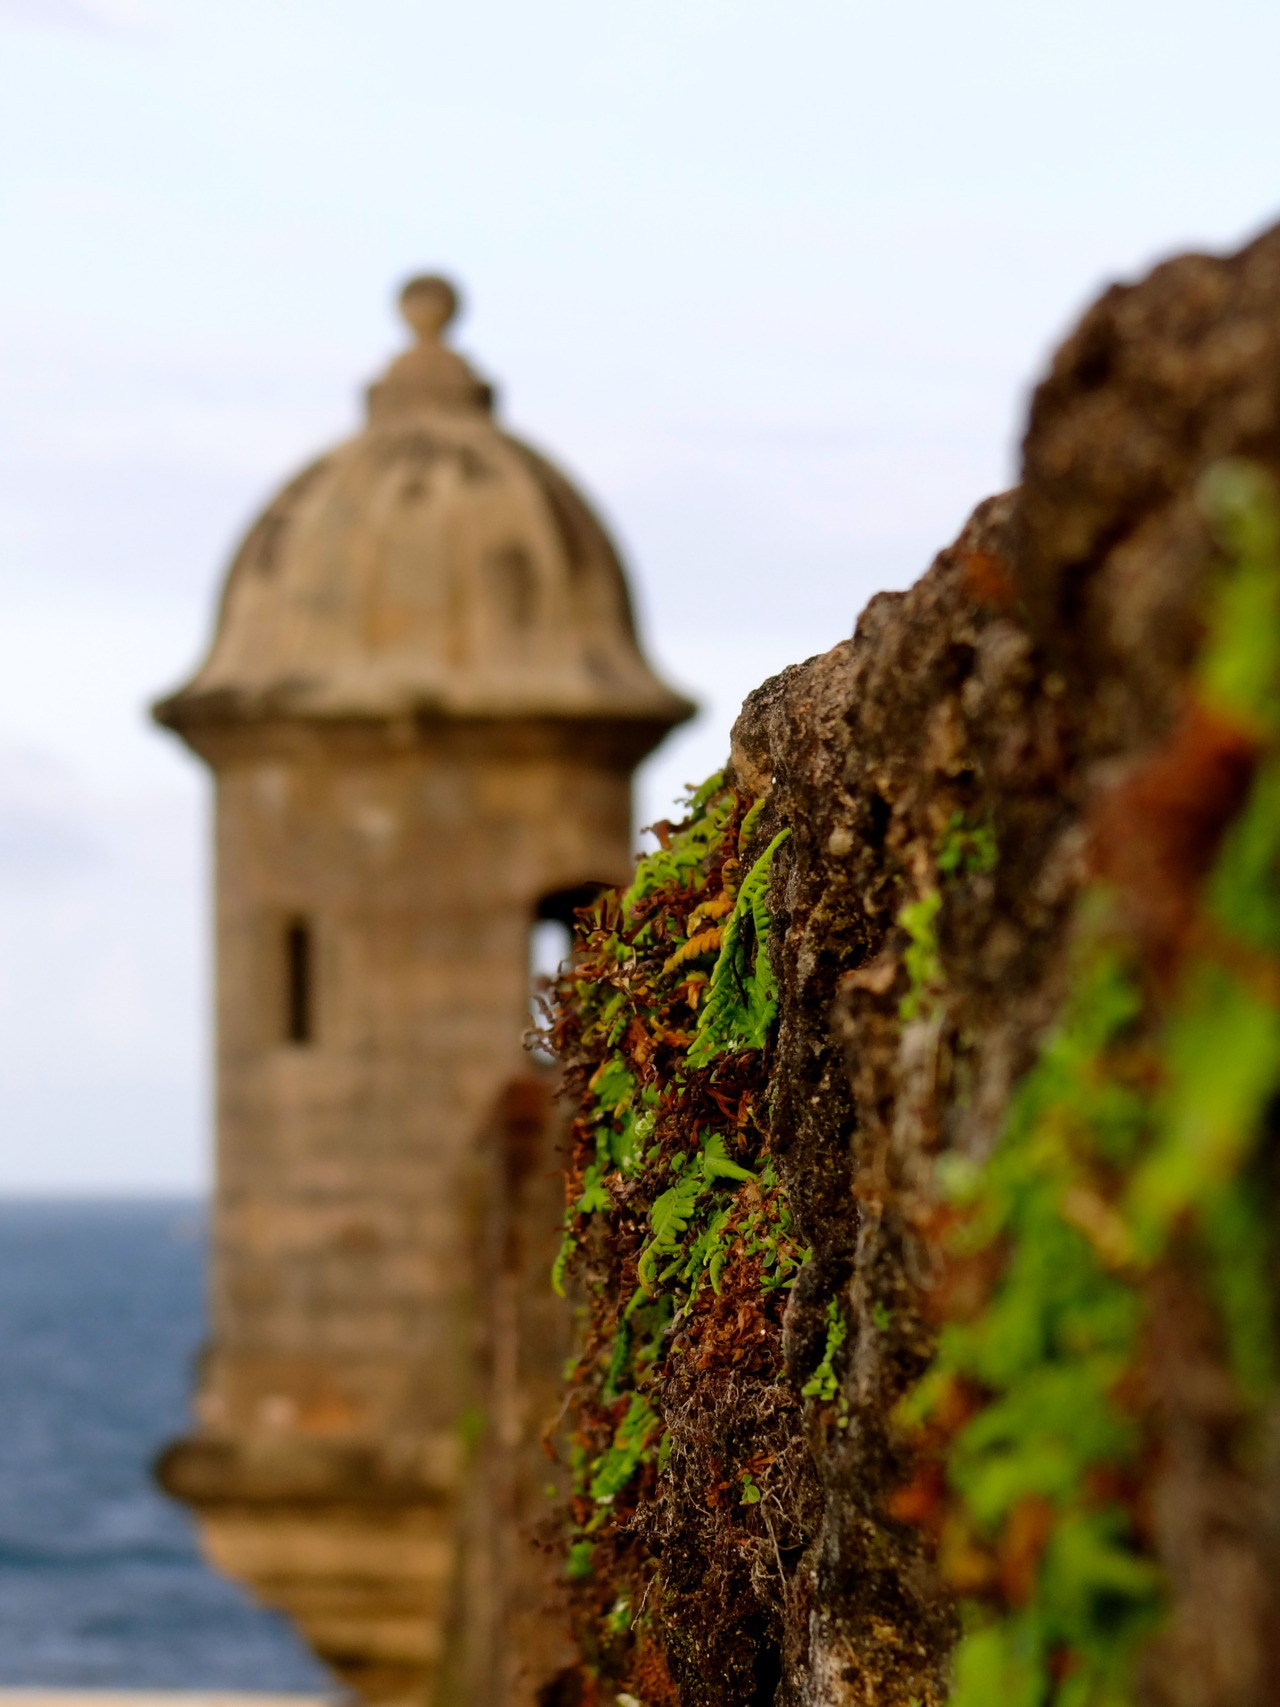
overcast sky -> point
(771, 280)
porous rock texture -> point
(1038, 664)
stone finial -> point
(429, 304)
(429, 375)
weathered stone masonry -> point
(422, 707)
(1021, 724)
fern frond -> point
(747, 828)
(670, 1214)
(824, 1383)
(716, 1163)
(702, 943)
(741, 1003)
(612, 1083)
(615, 1468)
(704, 1246)
(619, 1360)
(669, 1219)
(709, 810)
(568, 1245)
(715, 909)
(594, 1196)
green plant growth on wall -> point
(1130, 1146)
(1128, 1158)
(676, 1218)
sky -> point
(772, 282)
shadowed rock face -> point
(422, 706)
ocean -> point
(101, 1585)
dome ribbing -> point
(431, 566)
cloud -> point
(101, 17)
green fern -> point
(613, 1086)
(669, 1221)
(631, 1441)
(632, 1118)
(741, 999)
(710, 808)
(594, 1196)
(708, 1252)
(560, 1267)
(921, 957)
(967, 846)
(747, 829)
(672, 1212)
(638, 1340)
(715, 1162)
(824, 1383)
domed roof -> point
(430, 566)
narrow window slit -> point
(299, 975)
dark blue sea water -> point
(100, 1581)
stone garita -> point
(422, 707)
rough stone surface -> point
(933, 707)
(1034, 668)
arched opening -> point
(550, 943)
(563, 904)
(299, 982)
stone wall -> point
(1006, 1433)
